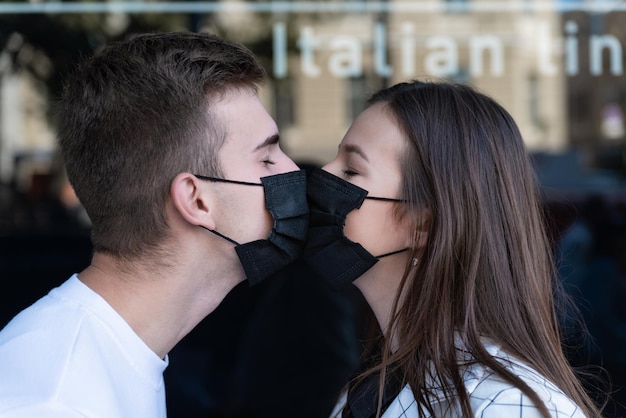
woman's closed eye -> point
(349, 173)
(267, 162)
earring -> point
(414, 261)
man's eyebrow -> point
(270, 140)
(356, 150)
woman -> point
(444, 238)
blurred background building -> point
(557, 66)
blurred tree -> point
(49, 45)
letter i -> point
(571, 48)
(280, 50)
(380, 51)
(408, 49)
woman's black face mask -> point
(285, 199)
(328, 252)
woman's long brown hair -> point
(487, 268)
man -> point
(178, 166)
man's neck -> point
(161, 305)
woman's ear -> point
(191, 200)
(421, 223)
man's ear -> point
(191, 200)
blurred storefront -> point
(557, 66)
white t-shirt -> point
(71, 354)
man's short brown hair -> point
(137, 114)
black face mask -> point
(329, 252)
(285, 199)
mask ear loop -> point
(245, 183)
(232, 241)
(219, 180)
(393, 253)
(386, 199)
(389, 199)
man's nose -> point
(287, 165)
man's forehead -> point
(248, 125)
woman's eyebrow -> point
(355, 149)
